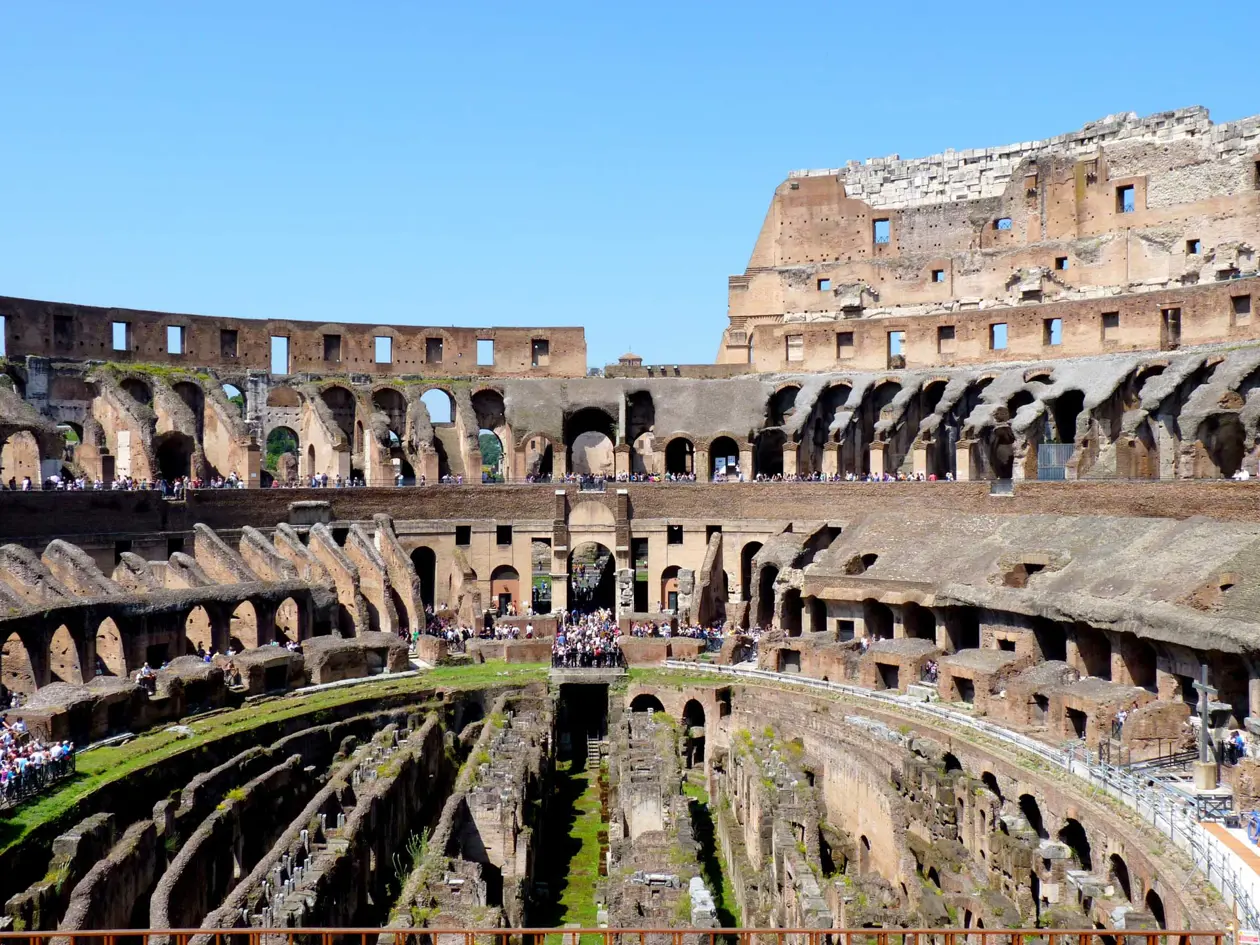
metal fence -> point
(34, 780)
(1052, 460)
(1172, 814)
(618, 936)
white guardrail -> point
(1171, 814)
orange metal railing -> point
(620, 936)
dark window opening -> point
(711, 530)
(1241, 305)
(174, 544)
(383, 352)
(540, 352)
(1052, 331)
(63, 331)
(503, 534)
(1006, 645)
(938, 275)
(332, 348)
(1193, 247)
(228, 341)
(463, 535)
(433, 350)
(673, 534)
(844, 344)
(121, 547)
(1002, 223)
(1061, 263)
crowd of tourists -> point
(586, 641)
(27, 765)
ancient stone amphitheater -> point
(971, 492)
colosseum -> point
(927, 606)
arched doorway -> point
(244, 630)
(669, 589)
(646, 702)
(424, 560)
(63, 657)
(138, 390)
(439, 404)
(680, 457)
(693, 723)
(768, 455)
(15, 667)
(289, 621)
(724, 457)
(174, 454)
(589, 435)
(539, 458)
(1073, 834)
(765, 595)
(280, 457)
(592, 578)
(505, 588)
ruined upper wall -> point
(1118, 219)
(236, 345)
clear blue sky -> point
(596, 164)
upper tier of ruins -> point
(1129, 234)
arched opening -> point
(310, 460)
(919, 622)
(640, 431)
(244, 626)
(424, 560)
(1073, 835)
(693, 714)
(19, 458)
(1020, 400)
(505, 589)
(765, 595)
(724, 457)
(280, 456)
(781, 406)
(138, 390)
(991, 782)
(440, 404)
(1064, 413)
(680, 457)
(592, 578)
(342, 404)
(1031, 810)
(63, 657)
(693, 723)
(111, 656)
(864, 855)
(539, 458)
(174, 454)
(745, 568)
(869, 412)
(768, 453)
(1155, 906)
(1224, 442)
(1120, 873)
(235, 397)
(793, 610)
(951, 763)
(493, 456)
(818, 429)
(588, 437)
(646, 702)
(878, 618)
(669, 589)
(198, 632)
(289, 617)
(15, 667)
(391, 402)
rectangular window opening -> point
(882, 231)
(1241, 307)
(279, 354)
(540, 352)
(1110, 326)
(824, 285)
(332, 349)
(896, 349)
(433, 350)
(1256, 180)
(1061, 263)
(174, 339)
(945, 338)
(844, 345)
(384, 353)
(228, 341)
(3, 337)
(938, 275)
(121, 333)
(1002, 223)
(673, 534)
(503, 534)
(794, 347)
(63, 332)
(1126, 199)
(463, 535)
(997, 336)
(485, 352)
(1052, 331)
(1194, 247)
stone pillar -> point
(789, 459)
(85, 646)
(266, 619)
(919, 457)
(625, 592)
(962, 460)
(559, 591)
(831, 459)
(746, 461)
(703, 467)
(877, 458)
(899, 622)
(621, 460)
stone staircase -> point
(595, 752)
(923, 692)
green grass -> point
(101, 766)
(716, 871)
(571, 866)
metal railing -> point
(620, 936)
(34, 780)
(1174, 815)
